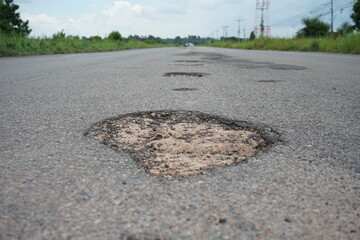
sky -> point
(171, 18)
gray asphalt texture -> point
(56, 183)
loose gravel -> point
(180, 143)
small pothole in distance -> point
(184, 74)
(270, 81)
(188, 61)
(189, 65)
(175, 144)
(184, 89)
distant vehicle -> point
(188, 45)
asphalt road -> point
(56, 183)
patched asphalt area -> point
(56, 183)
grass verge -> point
(345, 44)
(20, 46)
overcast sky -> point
(171, 18)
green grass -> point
(21, 46)
(346, 44)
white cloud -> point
(125, 8)
(40, 18)
(120, 6)
(174, 8)
(43, 24)
(206, 2)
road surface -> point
(56, 183)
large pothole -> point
(180, 143)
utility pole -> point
(225, 31)
(239, 20)
(217, 34)
(262, 29)
(332, 16)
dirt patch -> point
(184, 74)
(180, 143)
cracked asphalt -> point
(57, 183)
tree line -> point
(11, 23)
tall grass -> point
(12, 45)
(345, 44)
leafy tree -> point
(59, 35)
(355, 16)
(314, 27)
(95, 38)
(345, 29)
(10, 21)
(149, 41)
(252, 36)
(178, 40)
(115, 35)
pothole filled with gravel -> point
(175, 144)
(184, 74)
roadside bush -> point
(315, 46)
(59, 35)
(115, 35)
(95, 38)
(343, 44)
(314, 27)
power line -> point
(317, 10)
(339, 9)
